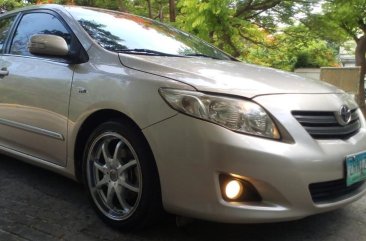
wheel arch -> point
(87, 127)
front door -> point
(35, 92)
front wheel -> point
(121, 176)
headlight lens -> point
(235, 114)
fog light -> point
(237, 189)
(233, 189)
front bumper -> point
(191, 153)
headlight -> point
(235, 114)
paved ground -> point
(38, 205)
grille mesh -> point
(324, 125)
(332, 191)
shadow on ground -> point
(39, 205)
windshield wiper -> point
(147, 52)
(201, 55)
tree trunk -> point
(172, 10)
(121, 6)
(149, 8)
(235, 51)
(361, 61)
(161, 15)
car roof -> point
(60, 8)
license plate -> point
(356, 168)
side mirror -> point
(46, 44)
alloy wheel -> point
(114, 176)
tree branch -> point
(261, 6)
(362, 25)
(255, 14)
(349, 31)
(228, 41)
(255, 41)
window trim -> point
(10, 32)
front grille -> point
(332, 191)
(324, 125)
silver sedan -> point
(150, 118)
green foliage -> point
(293, 49)
(341, 21)
(246, 29)
(315, 56)
(215, 21)
(252, 35)
(11, 4)
(205, 18)
(348, 15)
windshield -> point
(120, 32)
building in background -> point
(347, 54)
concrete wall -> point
(347, 79)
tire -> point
(121, 176)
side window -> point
(5, 25)
(36, 23)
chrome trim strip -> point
(32, 129)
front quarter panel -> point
(103, 83)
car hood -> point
(227, 77)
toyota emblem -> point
(344, 115)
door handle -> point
(4, 72)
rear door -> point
(34, 90)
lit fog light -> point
(238, 189)
(233, 189)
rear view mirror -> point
(46, 44)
